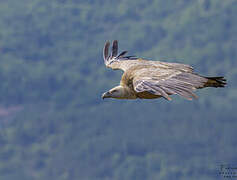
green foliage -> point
(53, 122)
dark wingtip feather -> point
(115, 48)
(106, 50)
(130, 57)
(122, 54)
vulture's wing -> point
(165, 82)
(115, 60)
(120, 61)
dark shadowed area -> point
(53, 122)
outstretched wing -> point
(120, 61)
(167, 82)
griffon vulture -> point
(153, 79)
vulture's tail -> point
(215, 82)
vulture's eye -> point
(113, 91)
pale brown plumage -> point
(153, 79)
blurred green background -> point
(53, 122)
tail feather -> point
(215, 82)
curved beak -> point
(106, 95)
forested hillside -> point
(53, 122)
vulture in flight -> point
(147, 79)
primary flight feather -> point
(153, 79)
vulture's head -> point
(118, 92)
